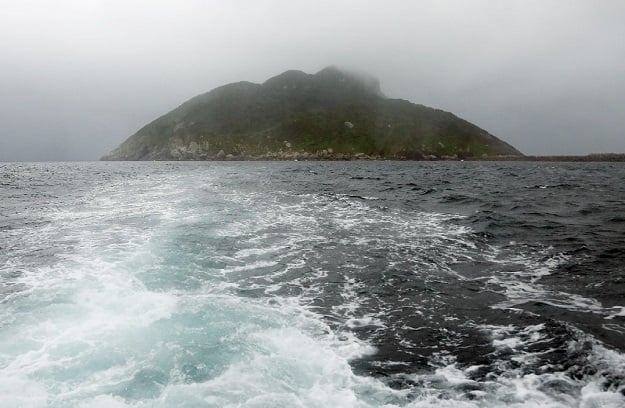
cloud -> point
(80, 76)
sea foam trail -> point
(151, 291)
(87, 329)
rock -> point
(193, 148)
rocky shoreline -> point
(329, 155)
(195, 152)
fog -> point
(78, 77)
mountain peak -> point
(330, 79)
(358, 79)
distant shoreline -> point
(602, 157)
(595, 157)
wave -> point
(158, 291)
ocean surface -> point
(312, 284)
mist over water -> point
(312, 284)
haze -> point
(79, 77)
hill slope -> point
(331, 114)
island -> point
(331, 115)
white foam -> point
(533, 390)
(523, 285)
(104, 401)
(249, 266)
(615, 311)
(365, 322)
(285, 368)
(18, 391)
(594, 397)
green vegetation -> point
(329, 115)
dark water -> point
(312, 284)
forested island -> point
(330, 115)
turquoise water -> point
(133, 301)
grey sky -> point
(78, 76)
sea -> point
(312, 284)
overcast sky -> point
(78, 77)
